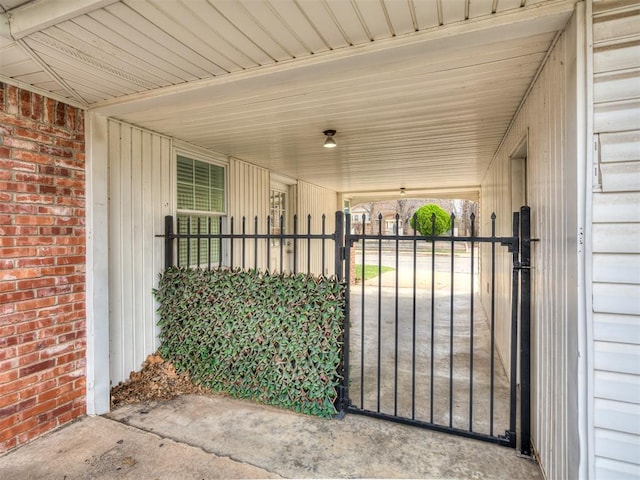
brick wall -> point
(42, 265)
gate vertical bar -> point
(451, 303)
(525, 335)
(168, 241)
(395, 369)
(471, 307)
(514, 326)
(346, 258)
(362, 315)
(339, 264)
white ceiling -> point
(420, 92)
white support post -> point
(98, 382)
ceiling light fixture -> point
(402, 191)
(329, 142)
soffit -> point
(420, 91)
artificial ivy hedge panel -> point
(274, 338)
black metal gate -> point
(430, 362)
(420, 349)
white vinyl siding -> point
(546, 122)
(140, 195)
(616, 248)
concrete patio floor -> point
(202, 437)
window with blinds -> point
(201, 203)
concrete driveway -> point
(198, 437)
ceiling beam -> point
(40, 14)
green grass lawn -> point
(370, 271)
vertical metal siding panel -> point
(147, 208)
(543, 120)
(248, 197)
(316, 201)
(115, 254)
(127, 285)
(140, 178)
(615, 348)
(136, 317)
(157, 169)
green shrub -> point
(273, 338)
(422, 220)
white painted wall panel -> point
(546, 122)
(140, 195)
(317, 201)
(248, 196)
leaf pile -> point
(158, 380)
(272, 338)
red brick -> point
(35, 304)
(38, 388)
(18, 208)
(18, 187)
(20, 144)
(8, 376)
(8, 287)
(60, 115)
(19, 252)
(13, 164)
(34, 178)
(37, 367)
(8, 399)
(6, 264)
(33, 220)
(6, 309)
(32, 135)
(31, 156)
(11, 93)
(16, 296)
(37, 104)
(7, 242)
(37, 283)
(25, 103)
(17, 274)
(34, 198)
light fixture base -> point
(329, 142)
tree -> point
(422, 221)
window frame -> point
(211, 160)
(204, 159)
